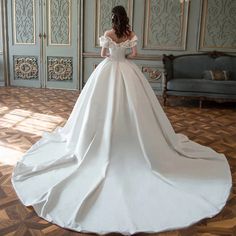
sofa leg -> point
(200, 103)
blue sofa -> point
(184, 76)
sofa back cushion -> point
(216, 75)
(193, 66)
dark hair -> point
(120, 21)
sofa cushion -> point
(202, 85)
(216, 74)
(192, 66)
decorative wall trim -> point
(155, 76)
(60, 68)
(105, 13)
(171, 26)
(139, 56)
(26, 20)
(68, 34)
(153, 72)
(26, 67)
(217, 25)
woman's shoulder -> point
(108, 33)
(132, 34)
(110, 40)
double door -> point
(43, 43)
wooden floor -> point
(25, 113)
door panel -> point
(61, 44)
(43, 43)
(24, 43)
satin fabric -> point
(117, 165)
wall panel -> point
(218, 25)
(165, 25)
(103, 15)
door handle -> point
(42, 35)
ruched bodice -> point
(117, 50)
(117, 53)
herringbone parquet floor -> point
(25, 113)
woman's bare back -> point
(111, 33)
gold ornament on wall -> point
(25, 68)
(60, 68)
(153, 74)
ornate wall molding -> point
(153, 73)
(60, 68)
(165, 25)
(23, 21)
(218, 25)
(26, 67)
(103, 16)
(155, 76)
(59, 24)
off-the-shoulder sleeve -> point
(104, 42)
(133, 42)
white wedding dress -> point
(117, 165)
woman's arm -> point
(133, 53)
(104, 52)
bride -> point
(117, 165)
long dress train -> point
(117, 165)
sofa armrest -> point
(168, 72)
(168, 66)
